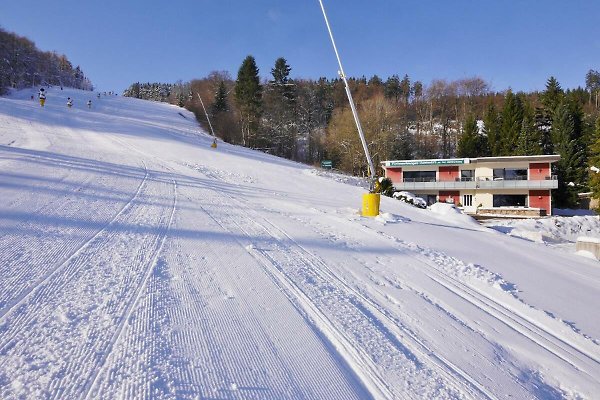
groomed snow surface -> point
(137, 262)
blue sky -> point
(509, 43)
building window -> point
(419, 176)
(467, 175)
(510, 174)
(510, 200)
(468, 200)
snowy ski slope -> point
(137, 262)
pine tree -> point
(528, 143)
(220, 104)
(417, 89)
(248, 97)
(405, 89)
(595, 162)
(375, 81)
(592, 84)
(567, 135)
(392, 88)
(280, 111)
(468, 144)
(550, 99)
(543, 127)
(553, 95)
(511, 123)
(491, 122)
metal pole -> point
(349, 94)
(208, 119)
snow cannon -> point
(370, 204)
(372, 200)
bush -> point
(384, 186)
(410, 198)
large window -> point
(510, 200)
(467, 175)
(510, 174)
(419, 176)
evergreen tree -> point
(280, 111)
(543, 127)
(511, 123)
(375, 81)
(417, 89)
(491, 122)
(528, 143)
(550, 99)
(595, 162)
(405, 89)
(469, 143)
(592, 85)
(553, 95)
(248, 98)
(392, 88)
(220, 104)
(403, 146)
(567, 135)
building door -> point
(467, 200)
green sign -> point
(326, 164)
(449, 161)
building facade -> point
(514, 185)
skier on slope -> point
(69, 102)
(89, 104)
(42, 96)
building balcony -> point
(481, 182)
(485, 182)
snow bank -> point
(549, 230)
(451, 213)
(588, 239)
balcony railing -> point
(480, 182)
(516, 182)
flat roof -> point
(551, 158)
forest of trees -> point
(22, 64)
(310, 120)
(150, 91)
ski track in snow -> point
(441, 269)
(77, 303)
(340, 311)
(22, 297)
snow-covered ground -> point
(137, 262)
(557, 232)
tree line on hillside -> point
(310, 120)
(150, 91)
(22, 64)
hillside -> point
(22, 64)
(138, 262)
